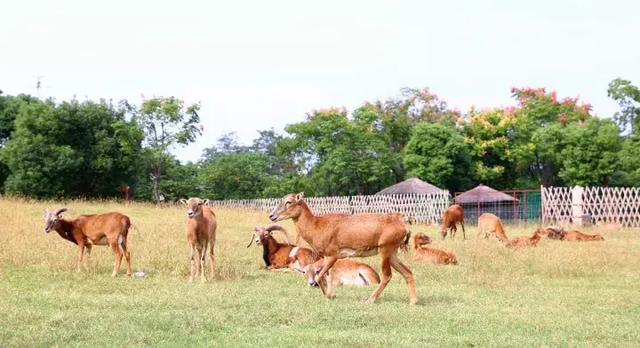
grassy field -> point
(558, 294)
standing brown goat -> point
(491, 224)
(422, 252)
(201, 233)
(452, 215)
(280, 255)
(525, 241)
(88, 230)
(336, 236)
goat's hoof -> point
(190, 280)
(331, 297)
(413, 301)
(369, 301)
(113, 275)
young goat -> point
(280, 255)
(201, 233)
(452, 216)
(336, 236)
(525, 241)
(343, 272)
(87, 230)
(422, 252)
(491, 224)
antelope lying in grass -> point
(201, 233)
(280, 255)
(343, 272)
(491, 224)
(88, 230)
(452, 216)
(422, 252)
(336, 236)
(525, 241)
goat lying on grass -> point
(343, 272)
(422, 252)
(559, 233)
(97, 229)
(525, 241)
(280, 255)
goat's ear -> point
(183, 201)
(205, 202)
(299, 196)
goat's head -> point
(52, 219)
(194, 206)
(421, 239)
(261, 233)
(311, 270)
(290, 207)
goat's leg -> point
(464, 234)
(88, 246)
(329, 261)
(127, 254)
(203, 259)
(443, 233)
(80, 254)
(118, 257)
(453, 232)
(212, 244)
(408, 277)
(385, 270)
(193, 263)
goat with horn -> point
(97, 229)
(280, 255)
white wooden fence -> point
(598, 205)
(424, 208)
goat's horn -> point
(251, 241)
(281, 229)
(59, 211)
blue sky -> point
(261, 64)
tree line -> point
(93, 149)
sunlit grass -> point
(560, 293)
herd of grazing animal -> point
(333, 240)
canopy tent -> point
(482, 194)
(412, 185)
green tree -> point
(167, 122)
(590, 154)
(71, 149)
(239, 175)
(438, 154)
(628, 97)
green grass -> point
(558, 294)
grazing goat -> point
(201, 233)
(335, 236)
(280, 255)
(525, 241)
(572, 235)
(422, 252)
(491, 224)
(452, 216)
(343, 272)
(88, 230)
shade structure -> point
(482, 194)
(409, 186)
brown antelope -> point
(343, 272)
(335, 236)
(280, 255)
(452, 216)
(525, 241)
(88, 230)
(423, 252)
(491, 224)
(201, 233)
